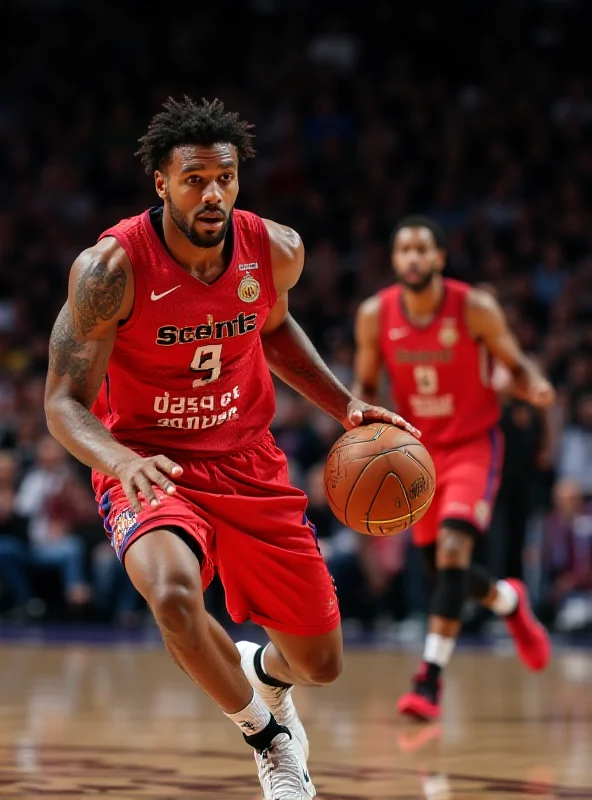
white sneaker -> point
(283, 773)
(278, 701)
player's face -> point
(200, 186)
(416, 259)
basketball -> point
(379, 479)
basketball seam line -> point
(378, 455)
(334, 449)
(398, 519)
(424, 469)
(403, 490)
(354, 486)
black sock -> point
(265, 678)
(262, 740)
(433, 672)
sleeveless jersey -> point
(440, 376)
(187, 372)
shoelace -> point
(280, 770)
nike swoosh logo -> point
(155, 296)
(306, 776)
(397, 333)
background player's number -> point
(426, 380)
(208, 362)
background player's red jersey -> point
(187, 371)
(440, 376)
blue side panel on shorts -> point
(125, 525)
(312, 526)
(494, 466)
(105, 510)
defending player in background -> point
(159, 379)
(438, 339)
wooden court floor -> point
(124, 723)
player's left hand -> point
(540, 393)
(360, 413)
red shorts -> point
(467, 480)
(250, 524)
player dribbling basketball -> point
(438, 339)
(159, 379)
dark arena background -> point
(478, 114)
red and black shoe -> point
(530, 637)
(423, 702)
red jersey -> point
(440, 376)
(187, 372)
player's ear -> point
(441, 263)
(160, 184)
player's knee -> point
(454, 549)
(450, 593)
(321, 668)
(176, 606)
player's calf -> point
(450, 593)
(305, 660)
(499, 596)
(323, 668)
(451, 557)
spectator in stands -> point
(48, 497)
(14, 583)
(567, 556)
(575, 459)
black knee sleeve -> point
(428, 558)
(480, 582)
(452, 589)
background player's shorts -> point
(467, 478)
(250, 524)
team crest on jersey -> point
(482, 512)
(249, 289)
(448, 335)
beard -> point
(210, 239)
(418, 287)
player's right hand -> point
(140, 475)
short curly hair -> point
(419, 221)
(187, 122)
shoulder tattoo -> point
(99, 295)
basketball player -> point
(159, 380)
(438, 339)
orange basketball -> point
(379, 479)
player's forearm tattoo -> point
(301, 369)
(99, 295)
(292, 357)
(67, 356)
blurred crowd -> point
(482, 119)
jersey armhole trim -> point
(267, 267)
(464, 312)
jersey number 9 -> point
(207, 361)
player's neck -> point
(422, 307)
(205, 263)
